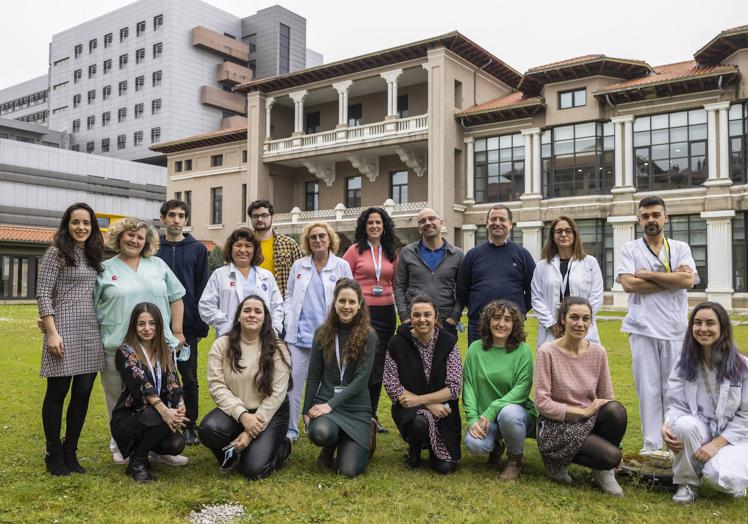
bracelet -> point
(156, 403)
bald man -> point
(429, 266)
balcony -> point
(345, 217)
(220, 44)
(233, 74)
(221, 99)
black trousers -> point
(383, 321)
(159, 439)
(54, 401)
(601, 448)
(417, 435)
(188, 372)
(262, 456)
(351, 458)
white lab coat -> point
(585, 280)
(223, 293)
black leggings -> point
(159, 439)
(351, 458)
(261, 457)
(54, 401)
(417, 435)
(601, 448)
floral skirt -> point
(560, 441)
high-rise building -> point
(26, 101)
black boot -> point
(326, 458)
(139, 469)
(413, 459)
(71, 458)
(54, 460)
(190, 436)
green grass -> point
(299, 493)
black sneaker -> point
(190, 436)
(380, 428)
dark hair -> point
(500, 206)
(269, 346)
(550, 249)
(161, 349)
(422, 298)
(244, 234)
(518, 334)
(94, 245)
(724, 355)
(173, 204)
(258, 204)
(389, 238)
(355, 346)
(652, 201)
(560, 328)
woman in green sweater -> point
(496, 389)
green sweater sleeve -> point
(314, 376)
(469, 401)
(360, 379)
(521, 388)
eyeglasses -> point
(320, 236)
(263, 216)
(561, 232)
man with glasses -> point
(278, 251)
(657, 272)
(429, 266)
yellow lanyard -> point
(665, 262)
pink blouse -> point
(362, 267)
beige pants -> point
(112, 384)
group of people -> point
(295, 320)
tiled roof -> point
(38, 235)
(723, 45)
(503, 102)
(670, 73)
(222, 136)
(580, 60)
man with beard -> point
(279, 252)
(496, 269)
(429, 266)
(656, 272)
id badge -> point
(337, 389)
(377, 291)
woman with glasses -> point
(564, 270)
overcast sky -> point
(522, 33)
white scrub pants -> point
(112, 384)
(727, 471)
(299, 370)
(652, 360)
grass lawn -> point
(299, 493)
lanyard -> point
(337, 354)
(377, 266)
(666, 246)
(565, 278)
(705, 378)
(157, 374)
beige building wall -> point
(593, 110)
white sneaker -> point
(171, 460)
(562, 476)
(606, 479)
(118, 458)
(686, 494)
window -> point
(122, 87)
(177, 195)
(75, 147)
(311, 196)
(121, 114)
(188, 165)
(139, 55)
(107, 40)
(284, 50)
(123, 34)
(458, 94)
(140, 28)
(312, 122)
(76, 100)
(158, 49)
(91, 70)
(354, 115)
(61, 60)
(402, 106)
(739, 252)
(139, 83)
(178, 167)
(670, 150)
(244, 156)
(89, 147)
(106, 117)
(216, 160)
(155, 106)
(91, 96)
(139, 110)
(399, 187)
(121, 141)
(58, 86)
(597, 237)
(216, 205)
(575, 98)
(90, 121)
(156, 78)
(158, 21)
(77, 75)
(577, 159)
(107, 65)
(106, 92)
(76, 125)
(92, 46)
(251, 41)
(188, 201)
(137, 138)
(155, 135)
(252, 65)
(78, 50)
(738, 133)
(18, 277)
(353, 191)
(499, 168)
(123, 61)
(104, 145)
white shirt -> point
(664, 314)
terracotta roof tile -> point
(512, 99)
(26, 234)
(569, 62)
(669, 73)
(201, 140)
(723, 45)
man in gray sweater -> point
(429, 266)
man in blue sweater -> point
(188, 259)
(497, 269)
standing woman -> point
(308, 298)
(706, 422)
(337, 408)
(579, 420)
(248, 374)
(240, 277)
(72, 351)
(564, 270)
(373, 261)
(423, 377)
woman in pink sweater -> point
(373, 261)
(579, 420)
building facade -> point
(27, 101)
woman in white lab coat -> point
(564, 270)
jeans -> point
(299, 370)
(513, 424)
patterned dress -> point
(66, 292)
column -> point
(342, 89)
(391, 78)
(528, 162)
(618, 134)
(711, 124)
(537, 187)
(624, 154)
(470, 172)
(468, 236)
(724, 141)
(298, 103)
(268, 109)
(628, 159)
(533, 183)
(623, 231)
(719, 256)
(532, 237)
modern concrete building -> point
(445, 123)
(27, 101)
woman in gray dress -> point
(72, 352)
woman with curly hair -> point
(373, 261)
(248, 377)
(496, 388)
(133, 276)
(337, 409)
(72, 352)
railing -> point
(345, 214)
(349, 135)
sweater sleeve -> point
(544, 387)
(360, 378)
(281, 372)
(464, 275)
(400, 290)
(202, 273)
(391, 378)
(469, 401)
(454, 373)
(604, 382)
(222, 395)
(520, 390)
(527, 283)
(457, 310)
(314, 375)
